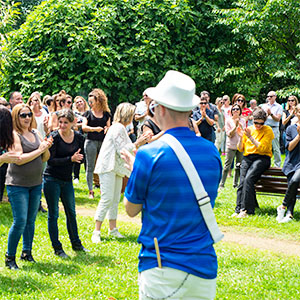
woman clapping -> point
(67, 149)
(24, 182)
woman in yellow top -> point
(256, 143)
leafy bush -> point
(121, 46)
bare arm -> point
(86, 128)
(132, 209)
(27, 157)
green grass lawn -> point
(110, 269)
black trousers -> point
(3, 170)
(290, 196)
(252, 167)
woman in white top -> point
(40, 114)
(111, 169)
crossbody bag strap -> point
(197, 186)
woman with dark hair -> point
(24, 182)
(6, 137)
(241, 101)
(95, 124)
(291, 168)
(66, 150)
(6, 142)
(232, 125)
(150, 125)
(256, 143)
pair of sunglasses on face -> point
(24, 115)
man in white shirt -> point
(274, 111)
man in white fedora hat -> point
(177, 259)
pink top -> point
(231, 142)
(227, 111)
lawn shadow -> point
(5, 214)
(79, 200)
(267, 210)
(93, 259)
(46, 268)
(132, 238)
(19, 285)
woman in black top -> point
(96, 123)
(150, 125)
(65, 151)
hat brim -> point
(155, 95)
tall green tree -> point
(265, 48)
(122, 46)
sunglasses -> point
(24, 115)
(235, 109)
(69, 102)
(259, 123)
(270, 96)
(203, 103)
(291, 100)
(240, 100)
(152, 107)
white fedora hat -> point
(175, 91)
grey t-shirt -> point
(29, 174)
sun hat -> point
(175, 91)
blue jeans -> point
(54, 189)
(25, 203)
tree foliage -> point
(265, 48)
(122, 46)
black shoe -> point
(61, 253)
(26, 255)
(10, 262)
(80, 248)
(42, 209)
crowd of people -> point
(44, 142)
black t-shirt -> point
(93, 121)
(150, 124)
(59, 164)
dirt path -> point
(246, 239)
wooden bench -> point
(273, 183)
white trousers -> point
(168, 283)
(110, 186)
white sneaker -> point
(280, 213)
(286, 219)
(115, 233)
(96, 238)
(76, 181)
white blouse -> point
(109, 159)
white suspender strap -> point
(200, 193)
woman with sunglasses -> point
(150, 125)
(96, 123)
(110, 167)
(24, 182)
(288, 115)
(241, 101)
(232, 125)
(67, 149)
(291, 168)
(256, 143)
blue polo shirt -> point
(170, 211)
